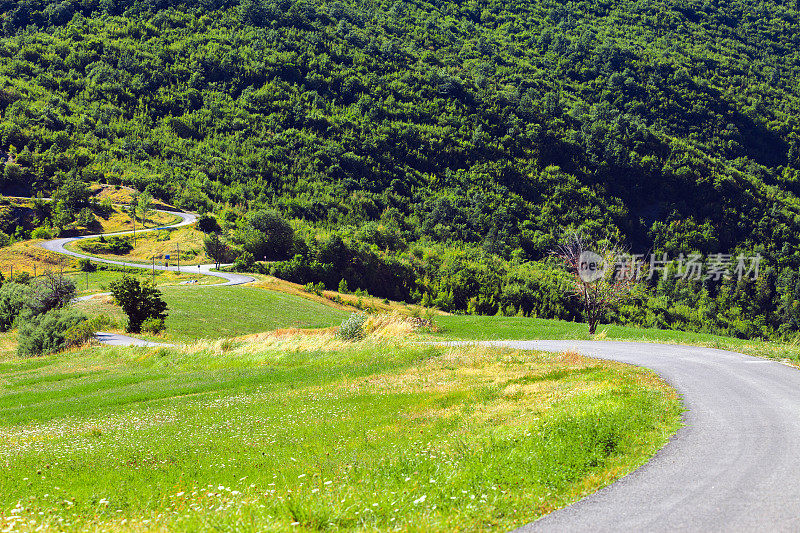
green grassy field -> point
(521, 328)
(313, 433)
(215, 312)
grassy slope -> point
(316, 433)
(197, 312)
(519, 328)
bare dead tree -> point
(602, 276)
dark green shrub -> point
(46, 333)
(85, 265)
(207, 224)
(13, 297)
(245, 262)
(153, 325)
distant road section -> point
(733, 467)
(58, 246)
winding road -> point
(59, 246)
(734, 466)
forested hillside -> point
(496, 126)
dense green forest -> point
(434, 151)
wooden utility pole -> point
(179, 258)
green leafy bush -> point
(352, 328)
(245, 262)
(314, 288)
(86, 265)
(153, 325)
(46, 333)
(82, 332)
(13, 297)
(42, 232)
(112, 245)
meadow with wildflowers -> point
(303, 430)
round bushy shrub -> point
(13, 297)
(42, 232)
(352, 328)
(47, 333)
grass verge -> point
(521, 328)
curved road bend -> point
(734, 466)
(58, 246)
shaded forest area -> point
(447, 145)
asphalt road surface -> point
(115, 339)
(58, 245)
(735, 466)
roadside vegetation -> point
(522, 328)
(259, 433)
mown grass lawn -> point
(309, 432)
(215, 312)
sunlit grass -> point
(216, 312)
(520, 328)
(293, 431)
